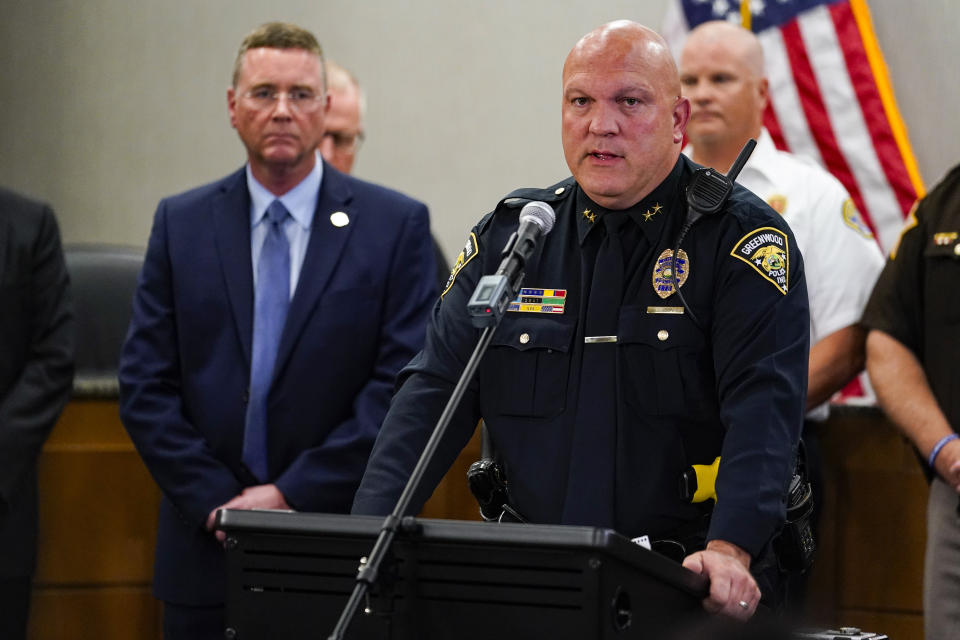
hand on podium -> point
(263, 496)
(733, 591)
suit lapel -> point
(323, 253)
(231, 215)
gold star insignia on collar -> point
(589, 215)
(652, 212)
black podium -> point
(290, 574)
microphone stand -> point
(369, 567)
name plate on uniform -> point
(668, 310)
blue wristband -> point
(936, 448)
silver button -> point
(524, 338)
(956, 249)
(662, 335)
(559, 190)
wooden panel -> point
(111, 613)
(98, 511)
(881, 546)
(97, 528)
(98, 517)
(86, 423)
(869, 567)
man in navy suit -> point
(337, 285)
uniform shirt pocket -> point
(526, 368)
(664, 365)
(942, 275)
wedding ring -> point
(743, 604)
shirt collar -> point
(648, 214)
(763, 156)
(301, 201)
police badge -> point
(663, 272)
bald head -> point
(344, 123)
(721, 73)
(623, 116)
(732, 40)
(624, 44)
(341, 80)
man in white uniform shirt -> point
(721, 73)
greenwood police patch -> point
(765, 249)
(468, 254)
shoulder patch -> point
(778, 202)
(765, 249)
(853, 219)
(469, 253)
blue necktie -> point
(271, 300)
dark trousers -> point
(941, 572)
(181, 622)
(14, 607)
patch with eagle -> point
(766, 250)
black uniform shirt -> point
(917, 298)
(734, 386)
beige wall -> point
(108, 105)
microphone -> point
(536, 219)
(494, 293)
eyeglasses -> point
(344, 141)
(300, 100)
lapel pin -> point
(339, 219)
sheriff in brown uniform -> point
(912, 353)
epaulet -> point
(554, 193)
(748, 207)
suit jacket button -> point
(246, 396)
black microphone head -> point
(539, 213)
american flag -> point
(830, 96)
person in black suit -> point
(273, 311)
(36, 375)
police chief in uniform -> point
(912, 355)
(601, 386)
